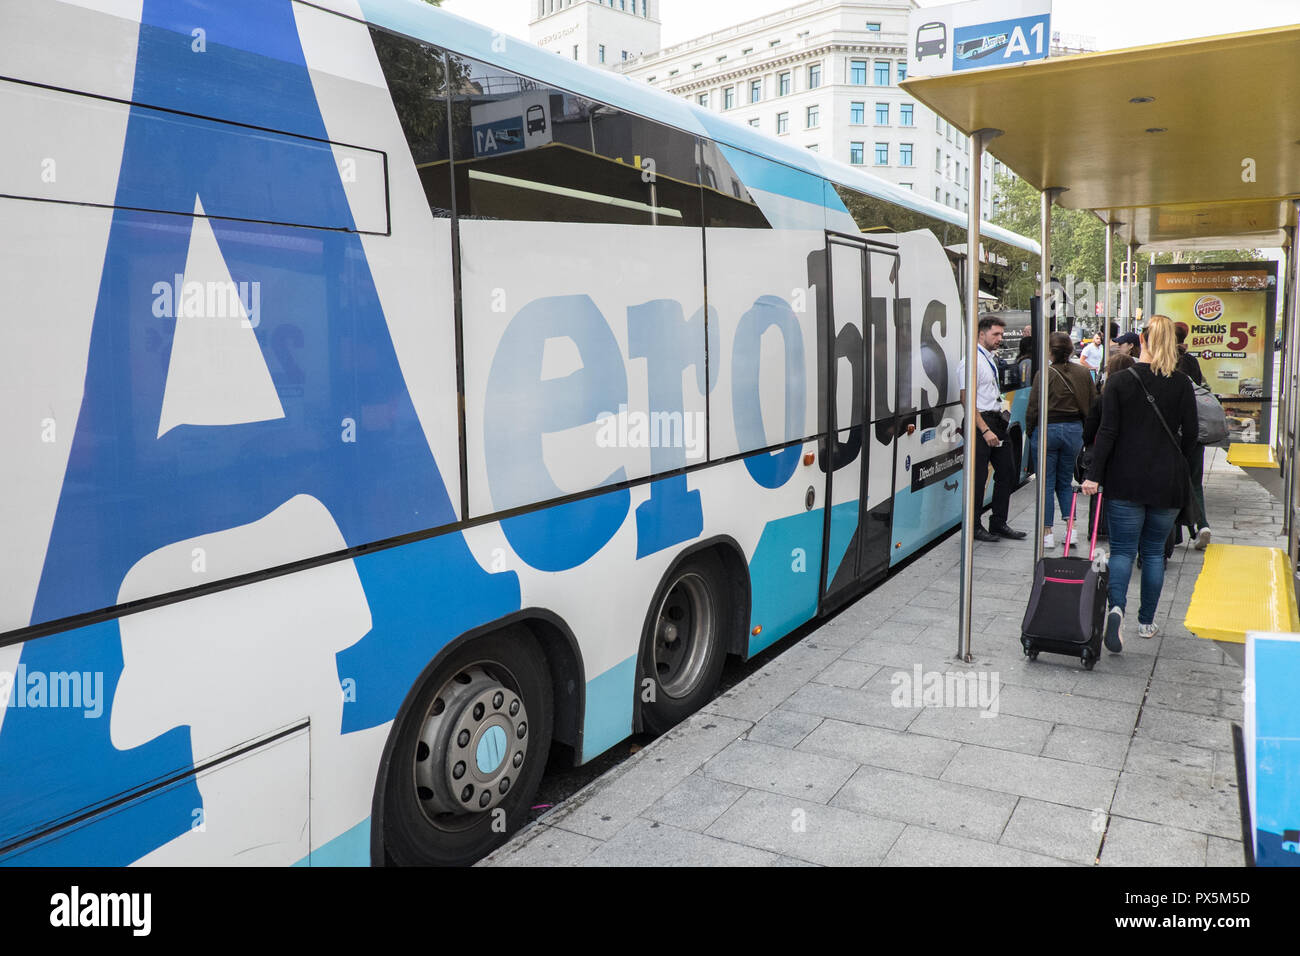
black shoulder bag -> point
(1189, 514)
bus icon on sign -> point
(931, 40)
(536, 120)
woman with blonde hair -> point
(1141, 462)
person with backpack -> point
(1199, 531)
(1142, 461)
(1069, 399)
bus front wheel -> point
(469, 753)
(684, 644)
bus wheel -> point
(684, 647)
(469, 753)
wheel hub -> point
(683, 635)
(472, 745)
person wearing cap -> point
(1130, 343)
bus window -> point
(524, 151)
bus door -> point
(859, 490)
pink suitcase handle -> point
(1092, 551)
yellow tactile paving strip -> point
(1242, 588)
(1251, 455)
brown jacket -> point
(1063, 405)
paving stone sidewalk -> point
(810, 762)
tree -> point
(1078, 247)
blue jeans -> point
(1135, 527)
(1064, 439)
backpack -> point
(1211, 423)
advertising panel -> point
(1272, 747)
(1228, 311)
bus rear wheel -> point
(469, 753)
(684, 645)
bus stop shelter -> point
(1186, 145)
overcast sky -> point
(1114, 24)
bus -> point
(392, 405)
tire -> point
(684, 644)
(427, 821)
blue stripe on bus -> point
(844, 523)
(608, 717)
(784, 575)
(349, 848)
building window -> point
(600, 52)
(882, 73)
(947, 132)
(904, 114)
(936, 193)
(755, 91)
(938, 160)
(902, 70)
(814, 76)
(882, 154)
(858, 72)
(772, 43)
(754, 122)
(575, 51)
(938, 124)
(703, 100)
(873, 27)
(814, 116)
(812, 148)
(857, 113)
(947, 199)
(905, 154)
(729, 98)
(855, 154)
(625, 56)
(782, 123)
(882, 114)
(907, 186)
(947, 167)
(783, 84)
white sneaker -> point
(1202, 539)
(1148, 630)
(1049, 542)
(1074, 537)
(1114, 637)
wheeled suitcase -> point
(1067, 605)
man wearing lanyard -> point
(990, 444)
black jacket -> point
(1133, 458)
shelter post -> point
(1046, 309)
(970, 507)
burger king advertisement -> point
(1228, 310)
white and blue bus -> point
(389, 404)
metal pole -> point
(1293, 329)
(1046, 300)
(1110, 292)
(1281, 392)
(1128, 290)
(970, 511)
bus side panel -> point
(568, 329)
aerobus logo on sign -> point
(965, 36)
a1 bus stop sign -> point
(966, 36)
